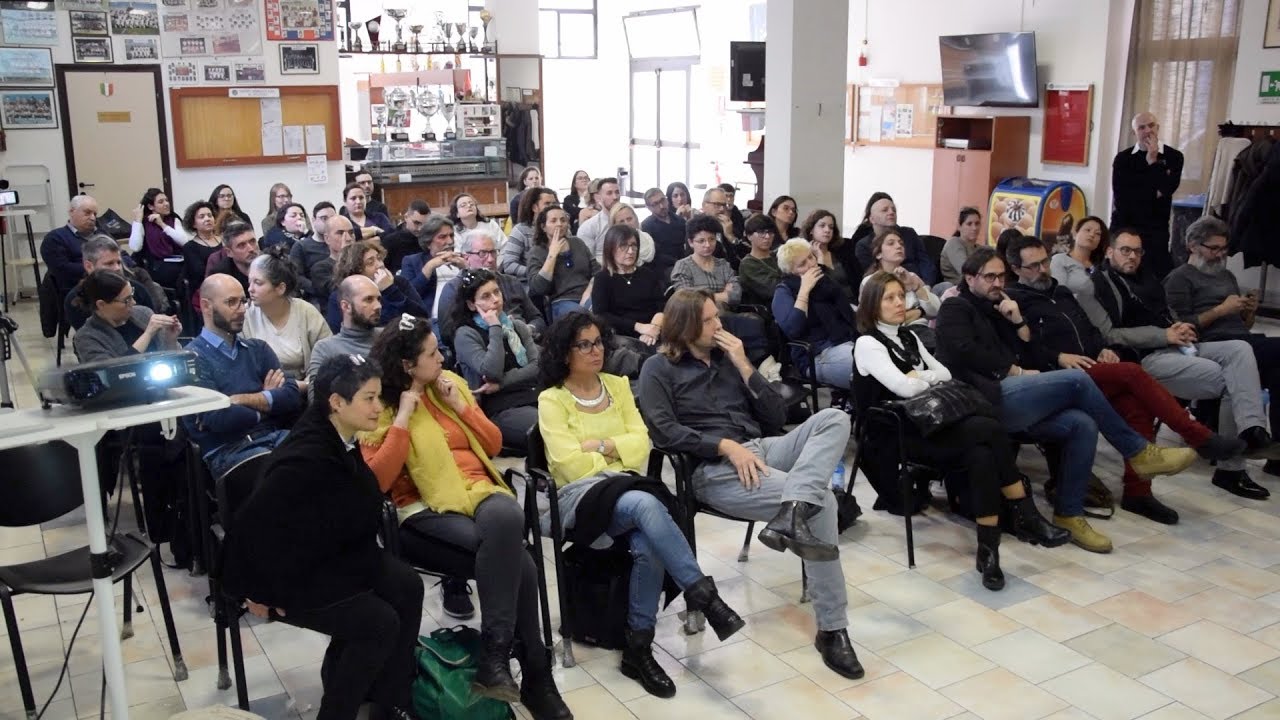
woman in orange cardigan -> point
(431, 452)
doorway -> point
(664, 46)
(113, 126)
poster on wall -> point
(1067, 110)
(299, 19)
(211, 27)
(181, 72)
(26, 66)
(216, 72)
(29, 27)
(91, 49)
(85, 22)
(27, 109)
(141, 49)
(134, 17)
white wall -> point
(251, 182)
(1071, 46)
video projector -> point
(128, 380)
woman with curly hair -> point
(364, 257)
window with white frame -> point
(567, 28)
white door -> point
(116, 137)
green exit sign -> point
(1269, 87)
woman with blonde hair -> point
(810, 306)
(279, 197)
(623, 214)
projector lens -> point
(160, 373)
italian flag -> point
(107, 89)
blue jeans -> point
(834, 366)
(560, 308)
(224, 459)
(1067, 408)
(657, 547)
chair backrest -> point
(933, 248)
(234, 487)
(41, 482)
(535, 461)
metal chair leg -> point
(19, 657)
(237, 658)
(745, 553)
(179, 665)
(126, 627)
(804, 584)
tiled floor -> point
(1179, 622)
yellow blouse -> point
(564, 427)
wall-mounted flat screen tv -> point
(990, 70)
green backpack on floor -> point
(446, 664)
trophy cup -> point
(373, 27)
(443, 26)
(398, 14)
(417, 41)
(353, 36)
(462, 36)
(486, 17)
(380, 119)
(428, 104)
(446, 104)
(474, 32)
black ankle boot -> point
(639, 665)
(989, 557)
(493, 671)
(789, 530)
(538, 692)
(703, 596)
(1030, 526)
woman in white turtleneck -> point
(894, 364)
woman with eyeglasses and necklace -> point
(431, 452)
(623, 214)
(597, 449)
(561, 266)
(117, 325)
(465, 213)
(496, 354)
(627, 295)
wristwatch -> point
(601, 448)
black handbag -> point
(599, 593)
(943, 405)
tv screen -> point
(991, 70)
(746, 71)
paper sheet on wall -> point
(888, 123)
(316, 140)
(871, 128)
(317, 169)
(271, 113)
(271, 144)
(293, 140)
(906, 119)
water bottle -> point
(1187, 349)
(837, 477)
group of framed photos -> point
(25, 103)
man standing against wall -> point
(1143, 180)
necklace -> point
(593, 402)
(626, 277)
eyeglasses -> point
(235, 303)
(628, 246)
(1036, 266)
(484, 253)
(226, 196)
(129, 300)
(703, 241)
(1131, 251)
(713, 203)
(586, 346)
(1216, 249)
(284, 196)
(992, 277)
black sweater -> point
(624, 300)
(978, 345)
(1143, 194)
(306, 537)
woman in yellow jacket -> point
(596, 445)
(431, 452)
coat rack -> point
(1254, 132)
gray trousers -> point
(800, 467)
(1226, 369)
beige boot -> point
(1082, 534)
(1155, 460)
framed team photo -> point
(299, 59)
(28, 109)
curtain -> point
(1181, 66)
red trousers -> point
(1140, 401)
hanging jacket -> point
(1255, 216)
(1245, 169)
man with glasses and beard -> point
(1206, 294)
(263, 400)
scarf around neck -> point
(509, 333)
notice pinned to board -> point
(316, 140)
(271, 141)
(293, 140)
(317, 169)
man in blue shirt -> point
(263, 400)
(61, 249)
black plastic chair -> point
(538, 479)
(809, 374)
(42, 482)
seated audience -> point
(1130, 309)
(497, 355)
(61, 248)
(241, 247)
(624, 214)
(290, 325)
(959, 246)
(1074, 268)
(530, 177)
(364, 257)
(811, 307)
(198, 220)
(372, 204)
(278, 198)
(516, 249)
(465, 213)
(339, 234)
(431, 453)
(701, 395)
(758, 272)
(739, 220)
(578, 197)
(312, 249)
(597, 451)
(1206, 294)
(432, 268)
(564, 264)
(304, 550)
(223, 199)
(627, 296)
(289, 228)
(679, 200)
(406, 238)
(881, 215)
(102, 252)
(834, 253)
(117, 325)
(588, 211)
(716, 205)
(156, 237)
(667, 230)
(898, 365)
(702, 270)
(245, 370)
(591, 232)
(354, 201)
(985, 341)
(784, 212)
(478, 247)
(888, 254)
(361, 304)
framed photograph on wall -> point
(26, 66)
(1271, 35)
(303, 59)
(147, 48)
(91, 49)
(28, 109)
(23, 26)
(299, 19)
(86, 22)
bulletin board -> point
(905, 115)
(212, 128)
(1068, 113)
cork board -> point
(213, 129)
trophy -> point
(372, 27)
(486, 17)
(353, 36)
(428, 104)
(417, 41)
(446, 103)
(380, 119)
(443, 26)
(474, 32)
(462, 36)
(398, 14)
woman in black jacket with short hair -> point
(304, 548)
